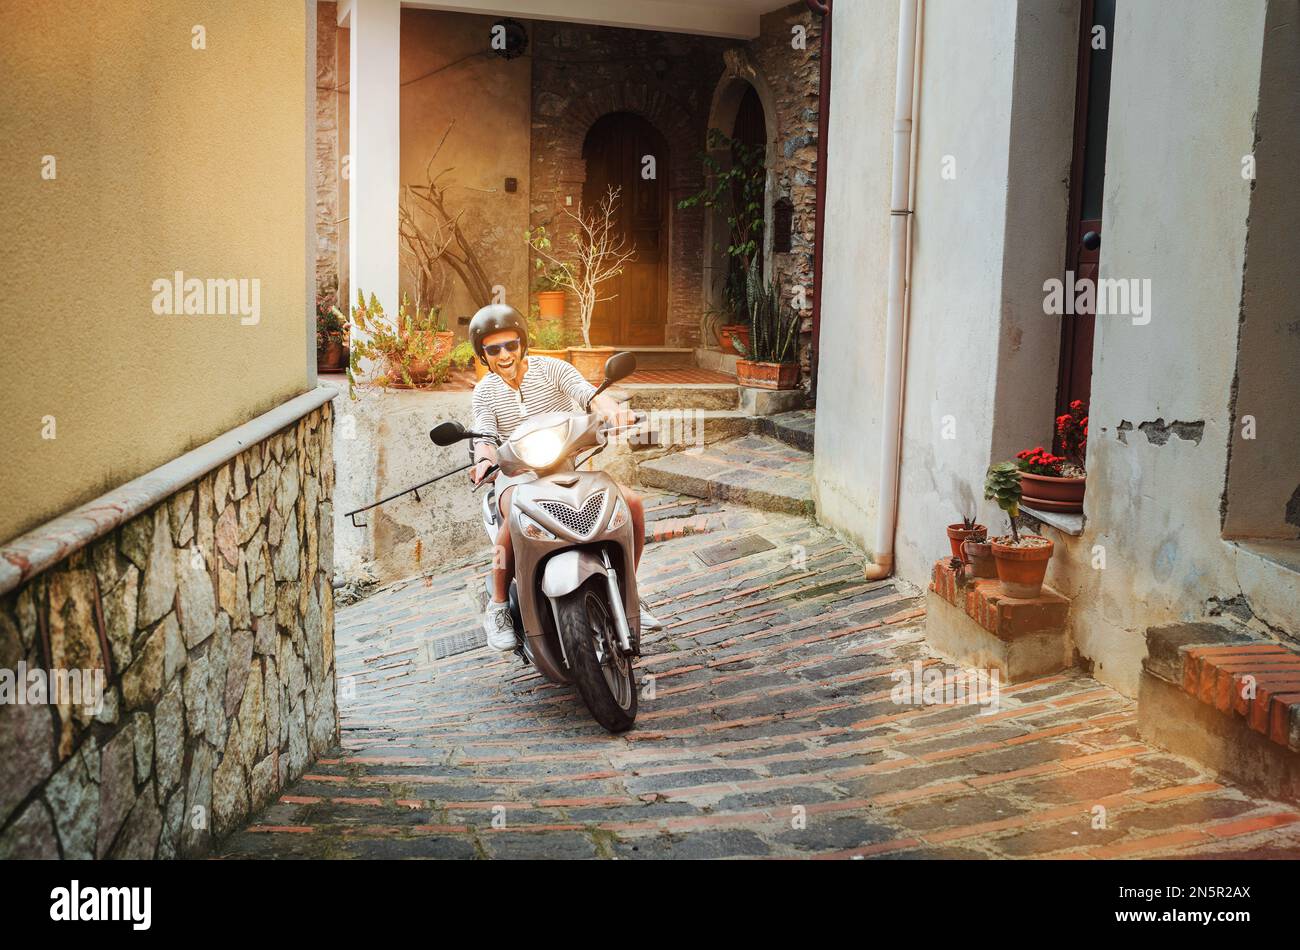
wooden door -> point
(1087, 179)
(615, 151)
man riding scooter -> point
(520, 385)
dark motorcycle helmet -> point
(493, 319)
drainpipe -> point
(823, 9)
(900, 233)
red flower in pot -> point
(1057, 482)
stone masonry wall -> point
(581, 73)
(212, 618)
(793, 75)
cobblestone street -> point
(771, 732)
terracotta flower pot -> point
(733, 331)
(979, 555)
(957, 533)
(1021, 570)
(590, 361)
(550, 303)
(442, 342)
(1049, 493)
(332, 357)
(554, 354)
(767, 375)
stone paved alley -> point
(771, 733)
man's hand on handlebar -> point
(485, 458)
(616, 415)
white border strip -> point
(29, 554)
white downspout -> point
(900, 233)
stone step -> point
(714, 359)
(687, 428)
(647, 396)
(793, 428)
(751, 470)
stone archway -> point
(564, 152)
(740, 77)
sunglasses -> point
(494, 349)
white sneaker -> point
(649, 621)
(499, 626)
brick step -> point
(647, 396)
(753, 470)
(793, 428)
(1227, 695)
(973, 621)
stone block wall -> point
(581, 73)
(211, 617)
(793, 76)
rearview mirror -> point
(620, 366)
(447, 433)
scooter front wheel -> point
(601, 673)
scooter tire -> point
(577, 628)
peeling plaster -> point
(1240, 609)
(1158, 432)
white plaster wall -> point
(373, 126)
(390, 450)
(980, 349)
(957, 245)
(1176, 209)
(1264, 471)
(855, 266)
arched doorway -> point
(742, 110)
(615, 150)
(750, 130)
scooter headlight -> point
(620, 514)
(532, 529)
(541, 449)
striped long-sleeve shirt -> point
(549, 385)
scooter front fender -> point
(567, 571)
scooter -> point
(573, 598)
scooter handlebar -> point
(492, 470)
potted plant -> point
(737, 309)
(331, 336)
(963, 531)
(462, 356)
(978, 555)
(1021, 561)
(546, 338)
(404, 353)
(1058, 482)
(431, 329)
(737, 188)
(550, 290)
(601, 252)
(768, 358)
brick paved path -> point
(772, 733)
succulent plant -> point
(1002, 485)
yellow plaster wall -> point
(168, 158)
